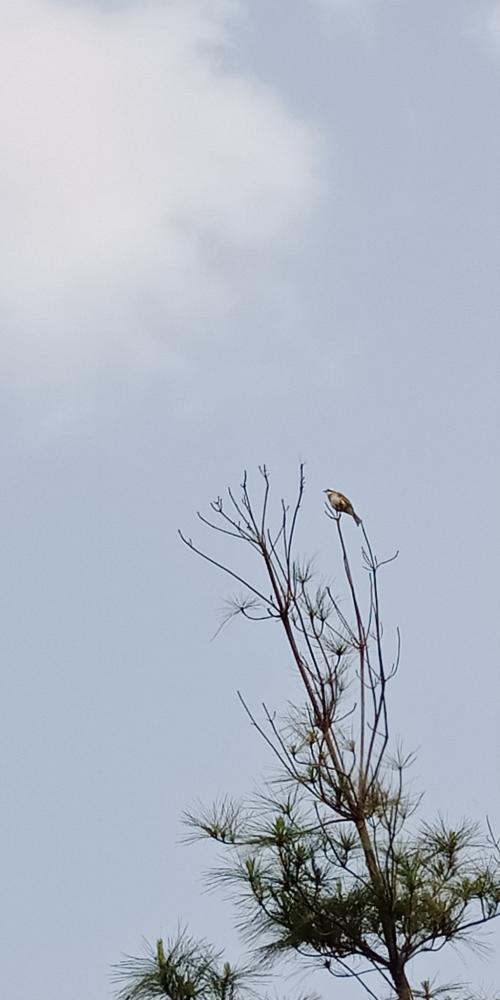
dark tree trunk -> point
(403, 988)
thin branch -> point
(225, 569)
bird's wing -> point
(344, 500)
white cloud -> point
(482, 23)
(131, 157)
(492, 23)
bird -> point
(341, 504)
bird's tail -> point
(357, 519)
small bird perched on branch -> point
(341, 504)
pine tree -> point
(331, 863)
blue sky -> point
(233, 232)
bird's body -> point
(341, 504)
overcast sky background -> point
(232, 233)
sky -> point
(233, 232)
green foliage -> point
(181, 969)
(301, 881)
